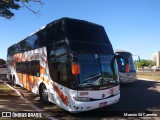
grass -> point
(5, 91)
(149, 75)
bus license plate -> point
(103, 104)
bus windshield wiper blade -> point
(86, 84)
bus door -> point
(57, 63)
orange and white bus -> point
(68, 62)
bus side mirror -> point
(126, 61)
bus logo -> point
(6, 114)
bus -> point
(69, 62)
(126, 77)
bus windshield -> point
(97, 69)
(122, 64)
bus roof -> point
(124, 53)
(79, 35)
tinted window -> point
(49, 35)
(58, 65)
(80, 31)
(13, 49)
(107, 72)
(97, 69)
(51, 53)
(29, 67)
(19, 67)
(30, 42)
(90, 72)
(35, 68)
(131, 62)
(62, 70)
(85, 36)
(58, 70)
(23, 46)
(122, 64)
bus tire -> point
(10, 77)
(13, 80)
(43, 92)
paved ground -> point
(139, 98)
(13, 104)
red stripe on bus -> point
(61, 95)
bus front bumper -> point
(86, 106)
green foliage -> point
(2, 62)
(145, 63)
(6, 7)
(151, 63)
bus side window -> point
(122, 61)
(26, 68)
(52, 62)
(57, 62)
(62, 70)
(35, 68)
(18, 67)
(61, 62)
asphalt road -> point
(140, 97)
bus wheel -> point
(14, 80)
(43, 94)
(10, 78)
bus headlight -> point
(81, 99)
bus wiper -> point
(86, 84)
(93, 77)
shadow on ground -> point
(141, 96)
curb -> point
(29, 103)
(145, 79)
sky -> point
(131, 25)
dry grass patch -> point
(5, 91)
(149, 75)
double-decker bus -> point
(126, 77)
(68, 62)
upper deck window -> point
(85, 36)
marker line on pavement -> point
(145, 79)
(30, 104)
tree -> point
(2, 61)
(151, 63)
(145, 63)
(7, 5)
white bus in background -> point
(126, 77)
(68, 62)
